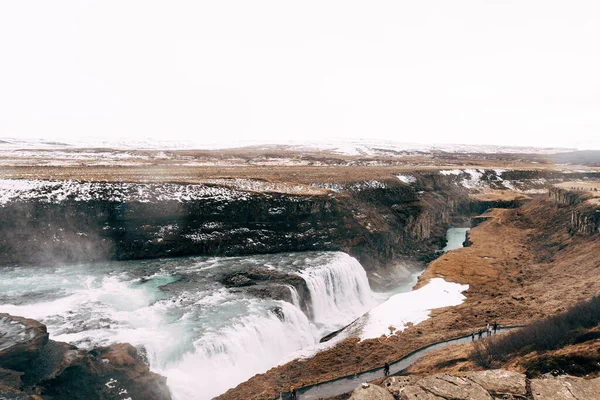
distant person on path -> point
(479, 334)
(488, 329)
(293, 392)
(495, 327)
(473, 336)
(386, 369)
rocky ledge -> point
(481, 385)
(32, 367)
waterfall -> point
(226, 357)
(205, 338)
(339, 291)
(295, 296)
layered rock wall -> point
(376, 221)
(584, 216)
(116, 222)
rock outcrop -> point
(21, 340)
(370, 392)
(565, 388)
(32, 366)
(489, 385)
(500, 382)
(584, 217)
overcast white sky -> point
(475, 72)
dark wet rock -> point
(278, 311)
(11, 378)
(238, 280)
(21, 340)
(51, 362)
(10, 393)
(271, 291)
(267, 283)
(108, 373)
(32, 366)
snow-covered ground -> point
(410, 307)
(59, 191)
(351, 147)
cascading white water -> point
(339, 291)
(295, 296)
(205, 338)
(224, 358)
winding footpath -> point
(348, 383)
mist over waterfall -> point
(204, 336)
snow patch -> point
(411, 307)
(451, 172)
(406, 179)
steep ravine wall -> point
(585, 216)
(375, 221)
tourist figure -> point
(386, 369)
(495, 327)
(479, 334)
(473, 336)
(293, 392)
(487, 329)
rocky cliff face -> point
(376, 221)
(584, 214)
(32, 366)
(83, 222)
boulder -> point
(30, 363)
(21, 340)
(565, 388)
(396, 384)
(107, 373)
(10, 393)
(11, 378)
(500, 382)
(453, 387)
(417, 393)
(370, 392)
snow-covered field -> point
(350, 147)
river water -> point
(204, 337)
(455, 238)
